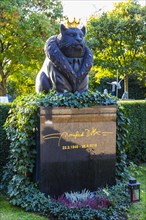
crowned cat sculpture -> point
(67, 63)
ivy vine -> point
(21, 127)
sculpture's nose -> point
(79, 38)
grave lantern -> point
(134, 190)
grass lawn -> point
(10, 212)
(136, 212)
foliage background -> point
(117, 39)
(4, 143)
(136, 112)
(25, 26)
(137, 89)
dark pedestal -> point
(77, 149)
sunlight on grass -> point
(10, 212)
(138, 210)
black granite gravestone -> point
(77, 149)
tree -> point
(25, 26)
(117, 39)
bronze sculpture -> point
(68, 61)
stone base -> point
(77, 149)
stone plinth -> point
(77, 148)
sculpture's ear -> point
(62, 28)
(83, 29)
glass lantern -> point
(134, 190)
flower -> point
(83, 199)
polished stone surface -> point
(77, 148)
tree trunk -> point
(3, 81)
(3, 88)
(126, 85)
(2, 92)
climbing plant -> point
(21, 128)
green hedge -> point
(136, 112)
(4, 143)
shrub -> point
(121, 142)
(136, 112)
(4, 143)
(21, 129)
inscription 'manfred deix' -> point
(76, 135)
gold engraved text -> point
(76, 135)
(79, 146)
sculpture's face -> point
(71, 42)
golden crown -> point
(73, 24)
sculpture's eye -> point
(71, 34)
